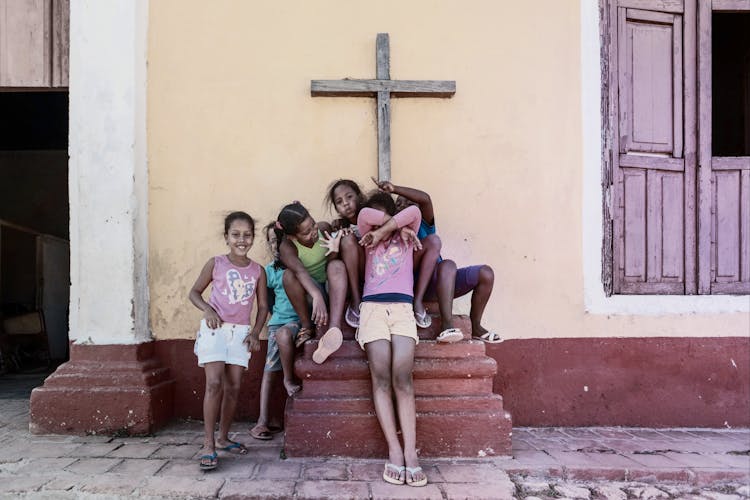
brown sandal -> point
(303, 336)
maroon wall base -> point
(641, 382)
(104, 389)
(190, 382)
(649, 382)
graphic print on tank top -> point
(239, 288)
(387, 260)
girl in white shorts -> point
(225, 338)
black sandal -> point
(303, 336)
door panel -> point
(723, 185)
(651, 198)
(25, 43)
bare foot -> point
(291, 388)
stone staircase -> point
(458, 415)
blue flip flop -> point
(234, 447)
(213, 459)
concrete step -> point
(441, 433)
(425, 349)
(354, 404)
(458, 415)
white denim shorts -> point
(225, 344)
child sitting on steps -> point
(447, 281)
(282, 334)
(346, 198)
(310, 256)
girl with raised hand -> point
(388, 332)
(446, 281)
(346, 197)
(225, 338)
(310, 255)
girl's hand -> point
(331, 242)
(371, 238)
(386, 186)
(409, 236)
(319, 311)
(213, 320)
(252, 342)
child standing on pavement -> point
(347, 198)
(388, 332)
(282, 334)
(310, 256)
(225, 338)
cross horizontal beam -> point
(370, 88)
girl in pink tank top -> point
(226, 338)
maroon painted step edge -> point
(104, 389)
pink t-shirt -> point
(233, 290)
(389, 266)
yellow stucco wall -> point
(231, 125)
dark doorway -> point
(34, 238)
(731, 84)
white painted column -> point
(108, 180)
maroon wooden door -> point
(654, 163)
(724, 181)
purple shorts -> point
(467, 279)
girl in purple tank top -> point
(226, 338)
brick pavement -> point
(590, 463)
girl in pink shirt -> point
(388, 331)
(225, 338)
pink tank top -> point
(233, 290)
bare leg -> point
(337, 283)
(446, 285)
(403, 386)
(425, 261)
(211, 403)
(286, 354)
(298, 297)
(479, 299)
(232, 379)
(351, 253)
(266, 384)
(379, 358)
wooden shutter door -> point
(723, 184)
(654, 160)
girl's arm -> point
(369, 217)
(421, 198)
(196, 295)
(261, 298)
(290, 259)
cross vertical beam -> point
(383, 62)
(383, 88)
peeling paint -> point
(733, 363)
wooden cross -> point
(383, 88)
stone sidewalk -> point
(589, 463)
